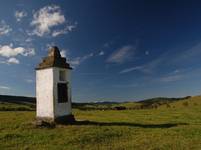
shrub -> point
(185, 104)
(120, 108)
(168, 105)
(155, 106)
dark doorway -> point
(62, 92)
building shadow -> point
(165, 125)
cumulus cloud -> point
(10, 51)
(4, 28)
(19, 15)
(13, 61)
(122, 55)
(49, 17)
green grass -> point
(176, 127)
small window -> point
(62, 92)
(62, 75)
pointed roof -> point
(53, 59)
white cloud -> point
(46, 18)
(19, 15)
(13, 61)
(121, 55)
(9, 51)
(29, 52)
(63, 53)
(170, 58)
(29, 39)
(67, 29)
(130, 69)
(4, 28)
(59, 32)
(78, 60)
(153, 65)
(10, 61)
(4, 87)
(101, 53)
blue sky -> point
(120, 50)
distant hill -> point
(17, 103)
(29, 103)
(17, 99)
(23, 99)
(161, 100)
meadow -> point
(170, 126)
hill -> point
(9, 103)
(17, 103)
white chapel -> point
(53, 88)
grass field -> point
(175, 126)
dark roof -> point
(53, 59)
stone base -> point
(45, 122)
(50, 122)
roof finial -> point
(54, 52)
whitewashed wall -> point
(47, 96)
(44, 94)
